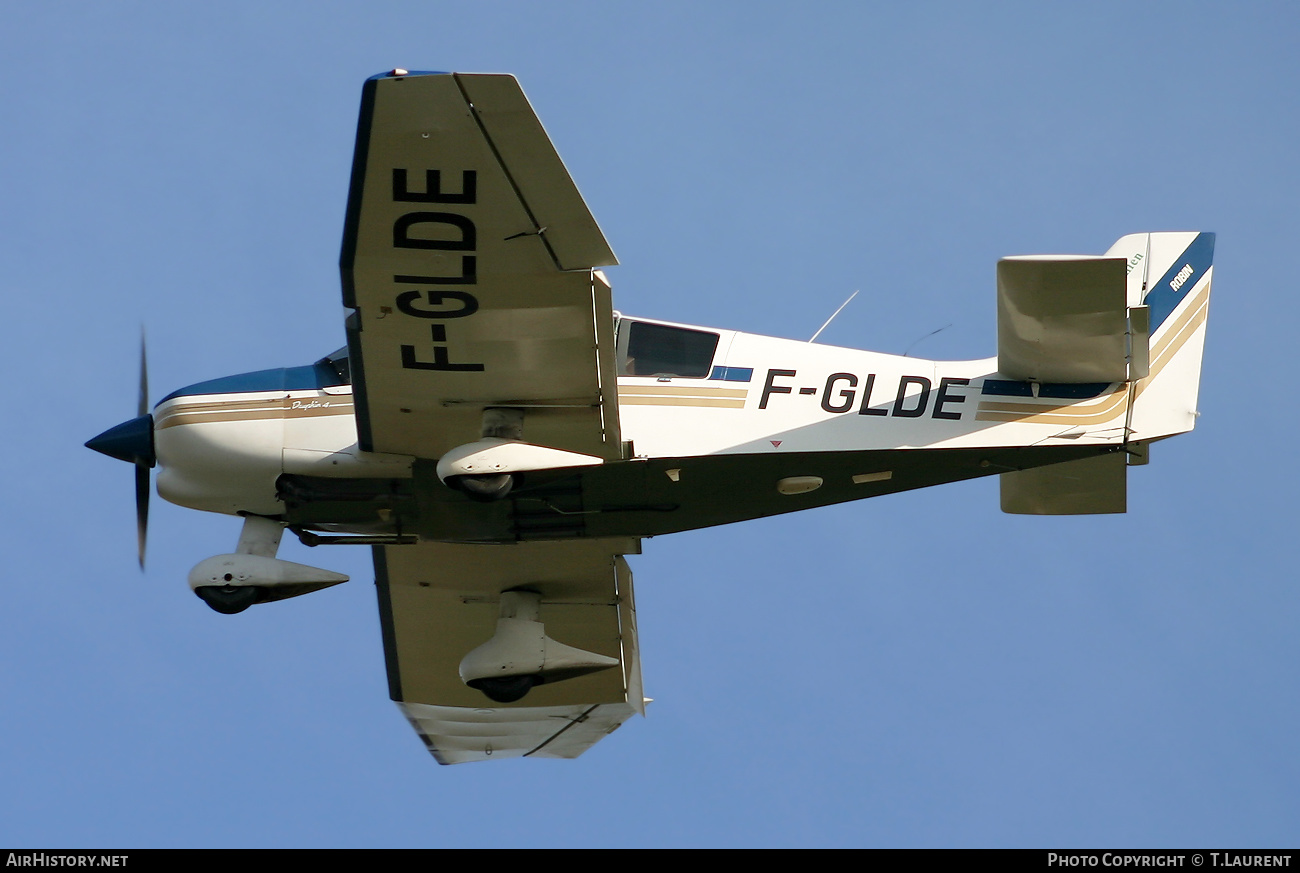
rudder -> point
(1170, 274)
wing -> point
(467, 257)
(439, 601)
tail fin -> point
(1170, 274)
(1168, 297)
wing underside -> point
(468, 258)
(469, 263)
(439, 601)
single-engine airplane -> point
(502, 438)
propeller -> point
(141, 470)
(132, 441)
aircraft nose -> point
(130, 441)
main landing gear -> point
(229, 599)
(253, 574)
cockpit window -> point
(337, 361)
(647, 349)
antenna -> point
(927, 336)
(832, 318)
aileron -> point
(545, 189)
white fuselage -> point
(222, 451)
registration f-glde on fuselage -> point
(502, 438)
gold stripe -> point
(681, 401)
(1176, 343)
(1192, 310)
(185, 416)
(1087, 406)
(1192, 318)
(204, 417)
(1048, 419)
(701, 391)
(332, 409)
(220, 407)
(1093, 414)
(1058, 418)
(273, 403)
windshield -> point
(337, 361)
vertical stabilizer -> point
(1151, 340)
(1170, 273)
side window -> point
(659, 350)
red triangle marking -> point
(775, 443)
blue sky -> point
(918, 670)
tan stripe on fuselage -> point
(676, 395)
(720, 402)
(674, 390)
(249, 410)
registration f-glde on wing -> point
(502, 438)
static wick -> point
(832, 318)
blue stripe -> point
(732, 374)
(1072, 391)
(1163, 297)
(313, 376)
(1006, 388)
(1054, 390)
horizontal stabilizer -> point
(1064, 318)
(1091, 486)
